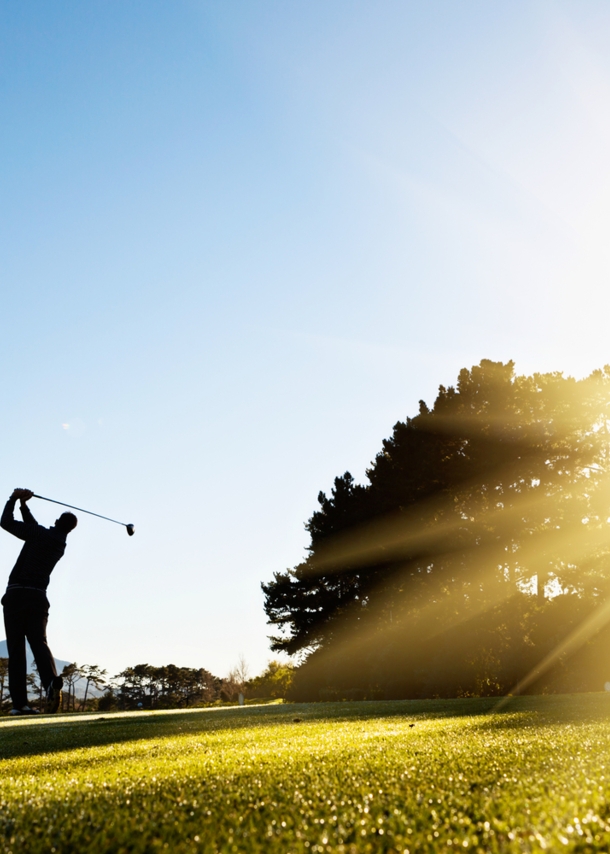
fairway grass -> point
(410, 776)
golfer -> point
(26, 607)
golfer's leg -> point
(36, 633)
(14, 624)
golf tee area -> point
(410, 776)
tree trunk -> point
(543, 577)
(83, 704)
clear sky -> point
(240, 240)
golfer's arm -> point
(26, 514)
(18, 529)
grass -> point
(337, 777)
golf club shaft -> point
(80, 509)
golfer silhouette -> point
(26, 607)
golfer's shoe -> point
(24, 710)
(54, 695)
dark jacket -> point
(42, 549)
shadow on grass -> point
(549, 709)
(28, 737)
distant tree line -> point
(171, 687)
(475, 559)
(147, 687)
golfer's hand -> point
(22, 494)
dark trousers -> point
(25, 616)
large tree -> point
(499, 490)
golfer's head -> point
(66, 522)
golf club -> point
(130, 528)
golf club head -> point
(130, 530)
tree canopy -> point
(496, 498)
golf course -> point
(433, 775)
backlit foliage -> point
(486, 507)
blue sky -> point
(240, 240)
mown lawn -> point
(339, 777)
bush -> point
(107, 702)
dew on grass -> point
(333, 782)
